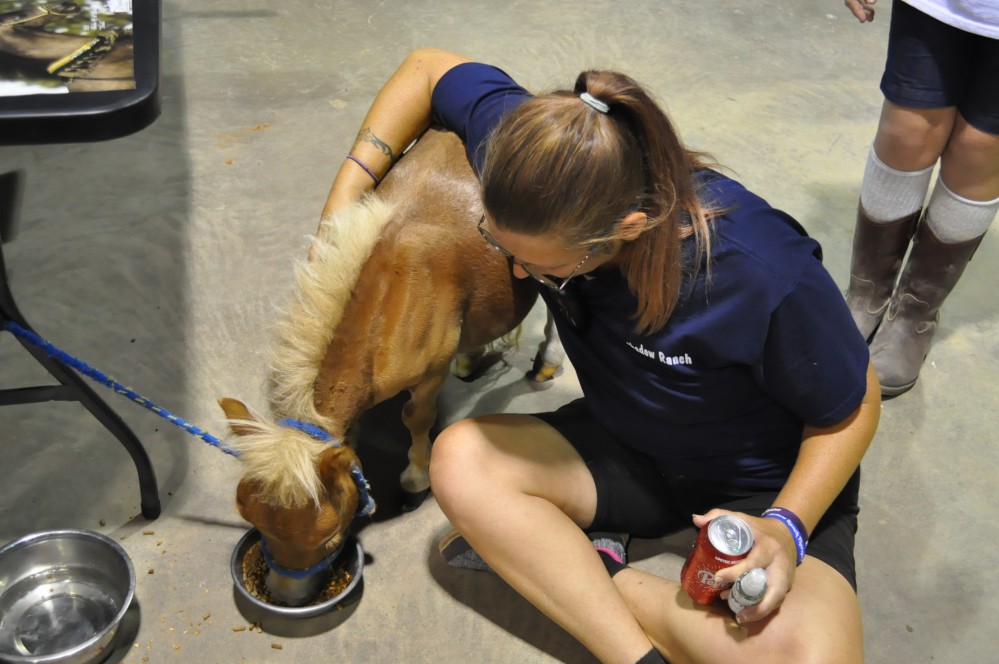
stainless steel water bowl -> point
(63, 594)
(298, 621)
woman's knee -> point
(821, 622)
(911, 139)
(801, 640)
(970, 164)
(814, 647)
(458, 454)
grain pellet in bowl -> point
(255, 571)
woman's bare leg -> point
(819, 621)
(970, 163)
(520, 494)
(911, 139)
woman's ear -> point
(632, 225)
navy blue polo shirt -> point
(758, 346)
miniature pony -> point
(399, 284)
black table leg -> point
(72, 387)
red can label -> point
(723, 542)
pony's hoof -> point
(410, 500)
(465, 364)
(542, 378)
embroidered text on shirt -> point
(669, 360)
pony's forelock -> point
(281, 460)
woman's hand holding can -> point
(772, 549)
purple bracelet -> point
(367, 170)
(798, 532)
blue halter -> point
(365, 504)
(321, 566)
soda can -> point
(723, 542)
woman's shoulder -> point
(746, 225)
(470, 80)
(755, 247)
(470, 98)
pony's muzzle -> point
(296, 592)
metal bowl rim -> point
(236, 570)
(113, 624)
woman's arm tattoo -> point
(367, 135)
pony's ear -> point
(335, 465)
(236, 410)
(244, 500)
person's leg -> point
(891, 200)
(912, 139)
(521, 495)
(970, 163)
(900, 164)
(923, 78)
(963, 204)
(819, 621)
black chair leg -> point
(75, 389)
(149, 498)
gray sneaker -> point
(616, 544)
(458, 552)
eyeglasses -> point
(557, 286)
(567, 301)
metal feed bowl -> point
(63, 595)
(297, 621)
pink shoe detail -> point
(610, 553)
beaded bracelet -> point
(794, 524)
(367, 170)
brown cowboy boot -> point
(903, 339)
(878, 250)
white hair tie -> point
(594, 103)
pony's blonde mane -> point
(280, 459)
(323, 289)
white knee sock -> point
(954, 218)
(887, 194)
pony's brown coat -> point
(400, 283)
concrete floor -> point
(158, 258)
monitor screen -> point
(66, 46)
(77, 70)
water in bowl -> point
(57, 610)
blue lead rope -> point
(88, 371)
(366, 504)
